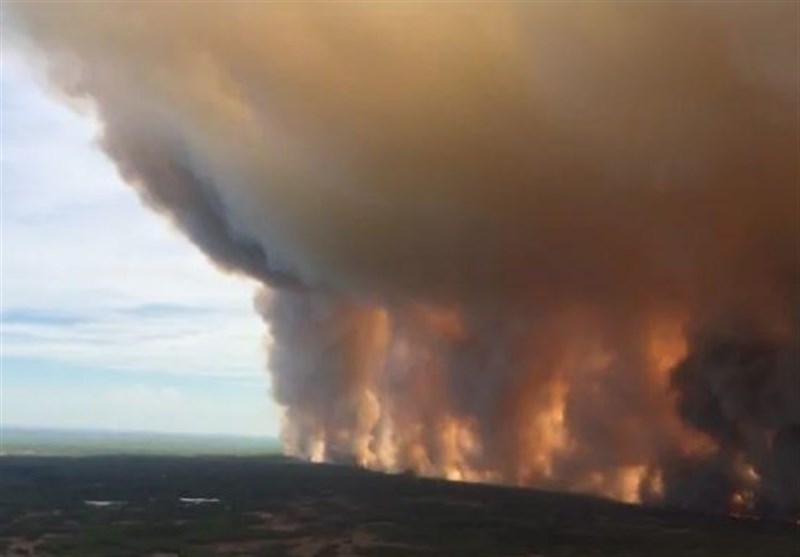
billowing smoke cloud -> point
(551, 245)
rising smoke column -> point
(551, 245)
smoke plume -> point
(541, 244)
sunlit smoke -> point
(542, 244)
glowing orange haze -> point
(452, 448)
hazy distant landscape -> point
(239, 497)
(71, 442)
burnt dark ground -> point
(273, 506)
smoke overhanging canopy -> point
(541, 244)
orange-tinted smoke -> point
(545, 244)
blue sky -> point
(110, 318)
